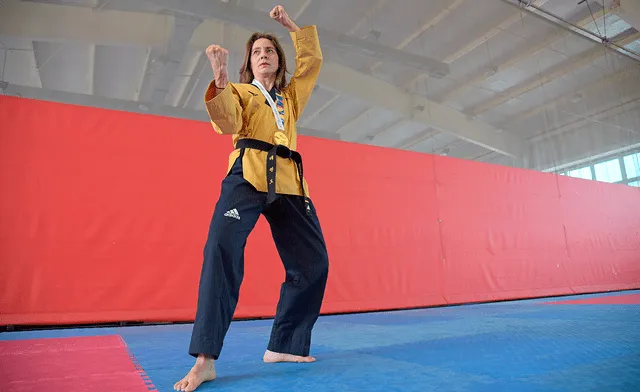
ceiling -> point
(522, 83)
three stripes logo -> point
(232, 214)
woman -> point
(261, 113)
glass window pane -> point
(585, 173)
(608, 171)
(632, 165)
(635, 183)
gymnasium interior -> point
(432, 126)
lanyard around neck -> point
(274, 108)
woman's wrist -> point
(292, 27)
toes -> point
(192, 385)
(181, 385)
(271, 357)
(297, 358)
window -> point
(585, 173)
(608, 171)
(635, 183)
(632, 165)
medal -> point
(278, 114)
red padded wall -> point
(502, 232)
(104, 214)
(602, 223)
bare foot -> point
(204, 370)
(273, 357)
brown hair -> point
(246, 74)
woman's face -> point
(264, 58)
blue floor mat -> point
(511, 346)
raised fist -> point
(280, 15)
(218, 56)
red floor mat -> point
(628, 299)
(95, 363)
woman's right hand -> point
(218, 56)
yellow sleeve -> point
(308, 64)
(225, 110)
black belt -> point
(283, 152)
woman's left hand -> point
(280, 15)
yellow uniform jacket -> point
(240, 110)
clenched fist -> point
(280, 15)
(218, 56)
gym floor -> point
(578, 343)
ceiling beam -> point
(578, 93)
(350, 82)
(163, 65)
(260, 21)
(560, 21)
(571, 65)
(64, 23)
(152, 108)
(432, 22)
(392, 130)
(354, 120)
(299, 12)
(307, 118)
(334, 76)
(582, 144)
(365, 18)
(487, 35)
(629, 11)
(201, 68)
(418, 108)
(18, 63)
(417, 139)
(370, 11)
(610, 110)
(482, 38)
(511, 59)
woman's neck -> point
(266, 81)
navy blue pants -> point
(300, 244)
